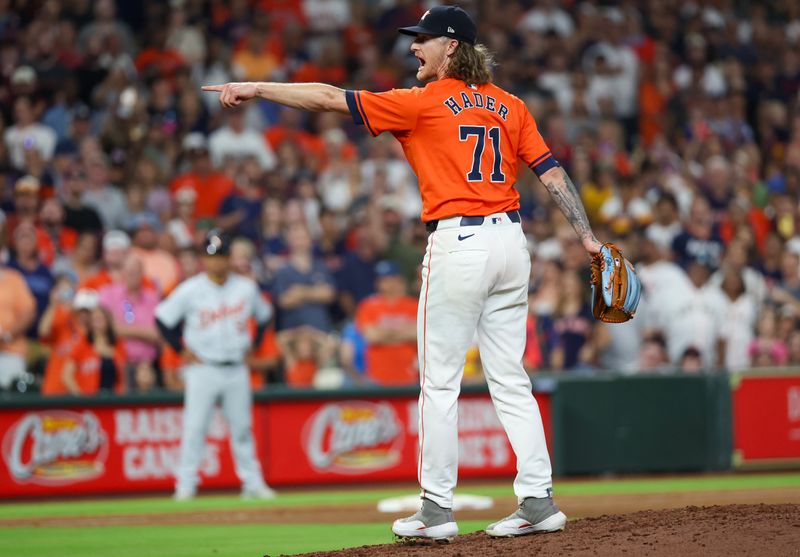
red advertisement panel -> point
(371, 439)
(102, 450)
(766, 419)
(123, 449)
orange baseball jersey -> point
(462, 141)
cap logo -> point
(425, 15)
(451, 30)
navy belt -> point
(431, 226)
(226, 363)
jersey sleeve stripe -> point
(539, 159)
(545, 165)
(350, 97)
(363, 113)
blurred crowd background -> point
(678, 120)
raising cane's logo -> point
(353, 437)
(55, 448)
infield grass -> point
(276, 539)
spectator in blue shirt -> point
(26, 260)
(303, 288)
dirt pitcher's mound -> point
(730, 530)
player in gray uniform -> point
(205, 319)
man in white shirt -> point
(692, 314)
(27, 133)
(238, 141)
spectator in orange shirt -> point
(210, 186)
(17, 312)
(254, 62)
(305, 350)
(388, 320)
(97, 359)
(63, 323)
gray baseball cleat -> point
(534, 516)
(431, 521)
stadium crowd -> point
(678, 120)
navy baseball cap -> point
(216, 243)
(387, 268)
(445, 21)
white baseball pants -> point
(476, 277)
(204, 385)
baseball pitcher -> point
(463, 137)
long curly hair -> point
(471, 64)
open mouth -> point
(421, 62)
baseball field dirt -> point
(721, 530)
(727, 515)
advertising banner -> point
(766, 419)
(102, 450)
(348, 441)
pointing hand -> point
(233, 94)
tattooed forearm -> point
(566, 196)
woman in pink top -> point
(132, 305)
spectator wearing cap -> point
(235, 140)
(159, 264)
(27, 199)
(62, 324)
(132, 304)
(387, 320)
(210, 187)
(101, 196)
(17, 312)
(77, 215)
(27, 133)
(27, 261)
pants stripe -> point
(424, 367)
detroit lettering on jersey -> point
(477, 100)
(210, 316)
(464, 142)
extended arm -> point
(315, 97)
(566, 196)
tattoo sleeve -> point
(566, 196)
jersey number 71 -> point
(475, 174)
